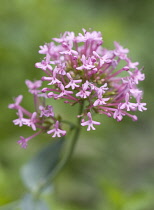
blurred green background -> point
(113, 167)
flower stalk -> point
(66, 157)
(79, 70)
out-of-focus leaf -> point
(30, 203)
(11, 206)
(139, 201)
(35, 172)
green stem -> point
(67, 155)
(75, 138)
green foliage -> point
(36, 172)
(31, 203)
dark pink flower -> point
(43, 49)
(46, 111)
(56, 131)
(72, 82)
(20, 120)
(90, 122)
(43, 65)
(87, 63)
(128, 105)
(120, 51)
(34, 86)
(17, 102)
(118, 114)
(84, 93)
(23, 141)
(32, 121)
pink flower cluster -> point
(43, 117)
(79, 69)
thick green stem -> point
(67, 155)
(75, 138)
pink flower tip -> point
(57, 131)
(134, 118)
(23, 142)
(90, 122)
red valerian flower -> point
(79, 69)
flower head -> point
(79, 70)
(92, 73)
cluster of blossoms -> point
(78, 69)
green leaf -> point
(35, 172)
(30, 203)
